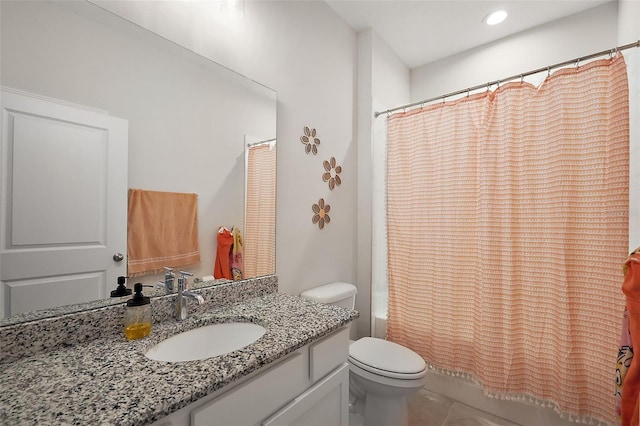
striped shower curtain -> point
(260, 211)
(507, 218)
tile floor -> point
(427, 408)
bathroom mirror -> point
(189, 118)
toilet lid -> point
(386, 358)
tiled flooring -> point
(431, 409)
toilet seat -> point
(387, 359)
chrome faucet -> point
(183, 294)
(168, 280)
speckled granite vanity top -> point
(109, 380)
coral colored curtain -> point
(260, 217)
(507, 228)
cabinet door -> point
(324, 404)
(328, 354)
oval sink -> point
(206, 342)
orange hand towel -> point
(631, 384)
(162, 230)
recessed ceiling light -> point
(495, 17)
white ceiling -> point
(423, 31)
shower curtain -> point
(507, 220)
(260, 211)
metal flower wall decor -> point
(321, 215)
(332, 173)
(310, 140)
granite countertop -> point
(110, 381)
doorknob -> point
(118, 257)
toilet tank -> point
(336, 293)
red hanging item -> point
(631, 384)
(222, 268)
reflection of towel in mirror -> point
(222, 268)
(236, 254)
(162, 230)
(631, 380)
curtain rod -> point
(513, 77)
(264, 142)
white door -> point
(63, 183)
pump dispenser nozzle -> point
(121, 290)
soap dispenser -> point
(121, 292)
(137, 316)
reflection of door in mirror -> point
(260, 208)
(62, 177)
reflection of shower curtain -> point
(507, 226)
(260, 216)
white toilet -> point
(381, 373)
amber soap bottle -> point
(137, 315)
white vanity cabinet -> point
(307, 387)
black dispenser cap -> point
(121, 290)
(138, 299)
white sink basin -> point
(206, 342)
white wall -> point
(581, 34)
(308, 55)
(383, 81)
(629, 32)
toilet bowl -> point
(382, 374)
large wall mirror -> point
(193, 126)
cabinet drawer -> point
(328, 353)
(254, 400)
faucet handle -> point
(184, 275)
(182, 280)
(168, 272)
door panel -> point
(25, 295)
(63, 177)
(59, 168)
